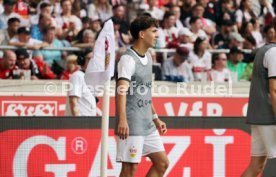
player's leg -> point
(160, 163)
(255, 166)
(128, 169)
(154, 149)
(129, 152)
(263, 146)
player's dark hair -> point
(142, 23)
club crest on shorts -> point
(133, 152)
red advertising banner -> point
(76, 153)
(165, 106)
(32, 105)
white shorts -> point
(134, 147)
(263, 140)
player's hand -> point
(123, 130)
(161, 126)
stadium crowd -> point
(190, 26)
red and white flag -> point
(101, 66)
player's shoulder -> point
(270, 53)
(77, 75)
(126, 58)
(272, 50)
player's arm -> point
(270, 64)
(126, 68)
(272, 91)
(122, 88)
(74, 94)
(73, 102)
(160, 125)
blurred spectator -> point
(247, 74)
(26, 64)
(245, 13)
(256, 33)
(170, 3)
(8, 13)
(50, 56)
(7, 64)
(186, 9)
(45, 20)
(222, 37)
(10, 32)
(235, 40)
(176, 68)
(249, 43)
(70, 24)
(71, 67)
(185, 38)
(154, 10)
(266, 6)
(55, 7)
(269, 33)
(32, 7)
(177, 13)
(22, 8)
(220, 72)
(119, 12)
(156, 67)
(86, 21)
(200, 59)
(235, 64)
(77, 10)
(225, 11)
(168, 32)
(88, 40)
(44, 69)
(96, 25)
(207, 25)
(45, 9)
(24, 40)
(246, 29)
(210, 9)
(196, 28)
(100, 8)
(121, 39)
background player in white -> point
(136, 119)
(81, 99)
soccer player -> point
(261, 112)
(81, 99)
(136, 120)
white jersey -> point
(87, 101)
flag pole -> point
(105, 125)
